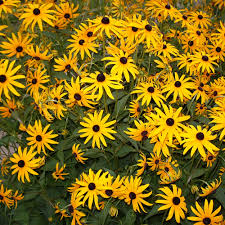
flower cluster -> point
(112, 113)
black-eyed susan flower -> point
(134, 109)
(17, 45)
(133, 193)
(57, 94)
(204, 61)
(36, 14)
(206, 215)
(66, 63)
(200, 19)
(90, 187)
(58, 174)
(82, 45)
(210, 158)
(78, 95)
(100, 82)
(8, 78)
(4, 166)
(172, 177)
(198, 139)
(96, 128)
(154, 161)
(8, 108)
(40, 138)
(122, 65)
(168, 124)
(200, 109)
(141, 132)
(210, 188)
(148, 93)
(78, 153)
(37, 54)
(17, 197)
(5, 196)
(75, 203)
(142, 163)
(7, 5)
(178, 86)
(66, 11)
(24, 162)
(219, 121)
(36, 79)
(112, 188)
(61, 211)
(149, 33)
(174, 201)
(106, 25)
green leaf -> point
(124, 150)
(197, 173)
(120, 105)
(220, 195)
(130, 218)
(154, 211)
(94, 153)
(50, 165)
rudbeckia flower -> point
(24, 163)
(96, 128)
(174, 201)
(206, 215)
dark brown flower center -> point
(34, 81)
(176, 200)
(190, 43)
(134, 29)
(210, 157)
(36, 57)
(96, 128)
(105, 20)
(2, 78)
(148, 27)
(70, 209)
(170, 122)
(56, 100)
(90, 34)
(138, 109)
(215, 93)
(177, 83)
(144, 133)
(167, 169)
(21, 163)
(56, 27)
(200, 88)
(206, 221)
(1, 197)
(184, 17)
(91, 186)
(132, 195)
(101, 77)
(81, 42)
(67, 16)
(36, 11)
(205, 58)
(168, 6)
(19, 49)
(77, 96)
(109, 192)
(198, 32)
(123, 60)
(200, 136)
(200, 17)
(201, 84)
(1, 2)
(164, 46)
(68, 67)
(38, 138)
(218, 49)
(156, 161)
(151, 89)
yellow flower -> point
(58, 174)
